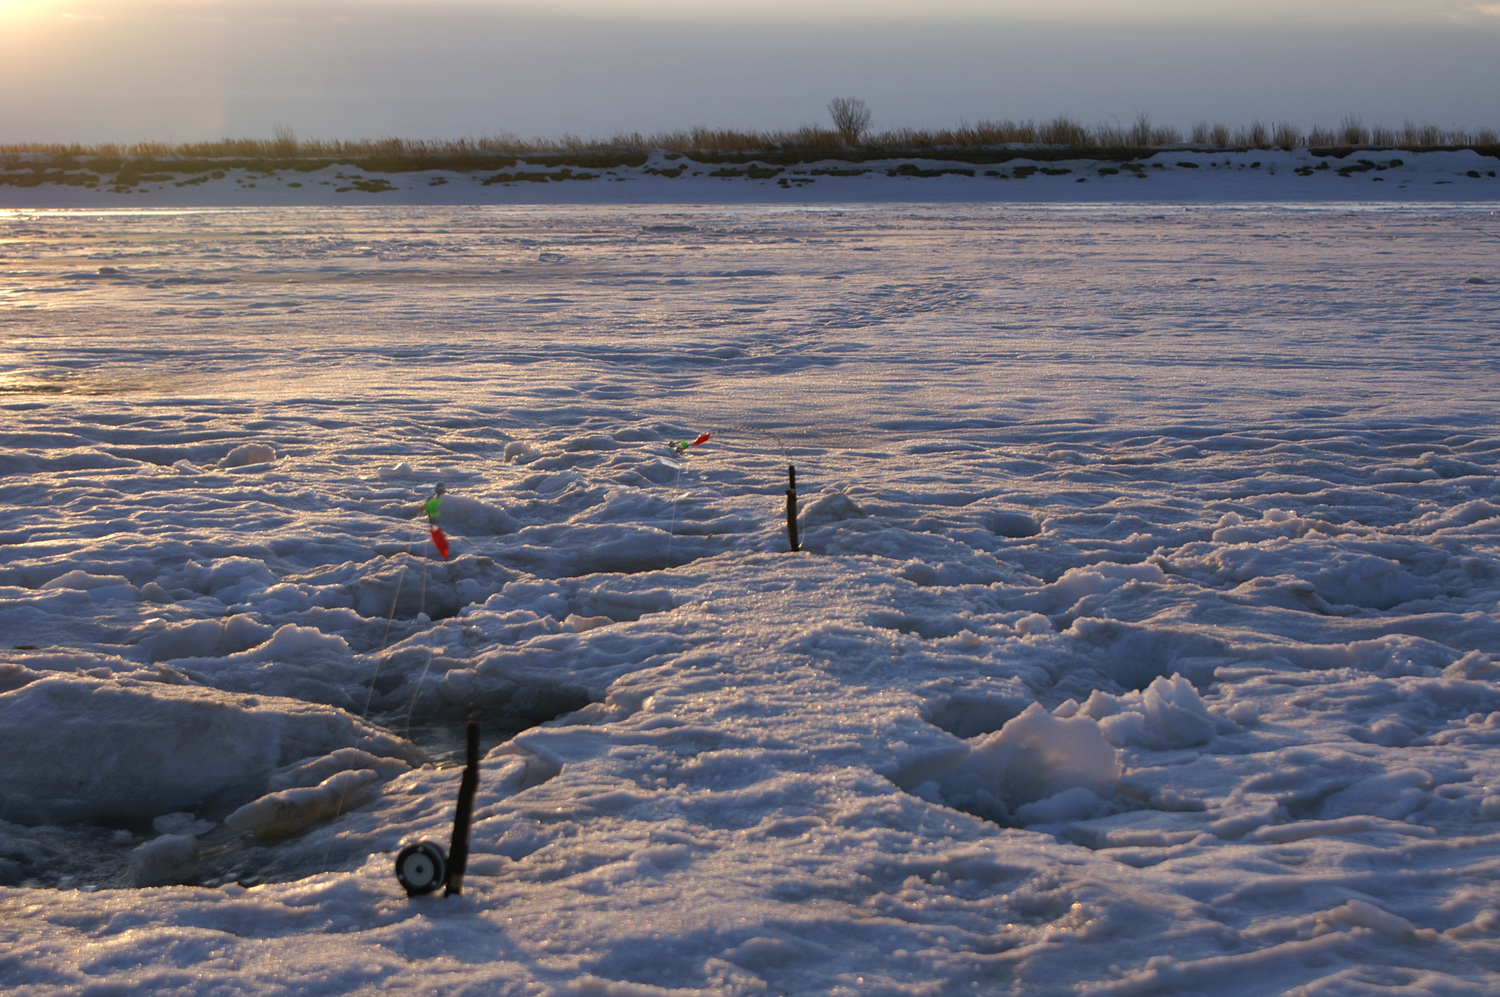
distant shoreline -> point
(1022, 175)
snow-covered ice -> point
(1145, 637)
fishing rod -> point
(421, 867)
(793, 539)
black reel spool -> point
(421, 868)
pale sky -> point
(184, 70)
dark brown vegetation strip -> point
(986, 143)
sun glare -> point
(1363, 12)
(19, 13)
(20, 8)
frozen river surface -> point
(1144, 638)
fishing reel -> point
(422, 866)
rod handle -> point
(463, 817)
(793, 541)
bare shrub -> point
(1254, 137)
(1001, 132)
(284, 140)
(991, 133)
(1063, 130)
(1321, 138)
(1139, 134)
(851, 118)
(1108, 136)
(1019, 132)
(1415, 136)
(723, 140)
(1165, 135)
(813, 141)
(901, 138)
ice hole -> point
(193, 846)
(437, 727)
(1012, 525)
(969, 715)
(440, 733)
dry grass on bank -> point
(1059, 134)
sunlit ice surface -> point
(1144, 637)
(851, 317)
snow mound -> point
(312, 771)
(206, 638)
(98, 751)
(1169, 713)
(101, 588)
(579, 624)
(248, 454)
(407, 586)
(298, 661)
(471, 517)
(1034, 757)
(164, 861)
(1233, 528)
(292, 641)
(14, 676)
(289, 812)
(831, 507)
(515, 450)
(84, 581)
(1077, 584)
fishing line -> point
(792, 532)
(374, 675)
(389, 619)
(422, 602)
(417, 692)
(411, 707)
(672, 532)
(780, 443)
(431, 507)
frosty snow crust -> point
(1144, 638)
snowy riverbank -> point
(1145, 637)
(1257, 175)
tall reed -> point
(1062, 132)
